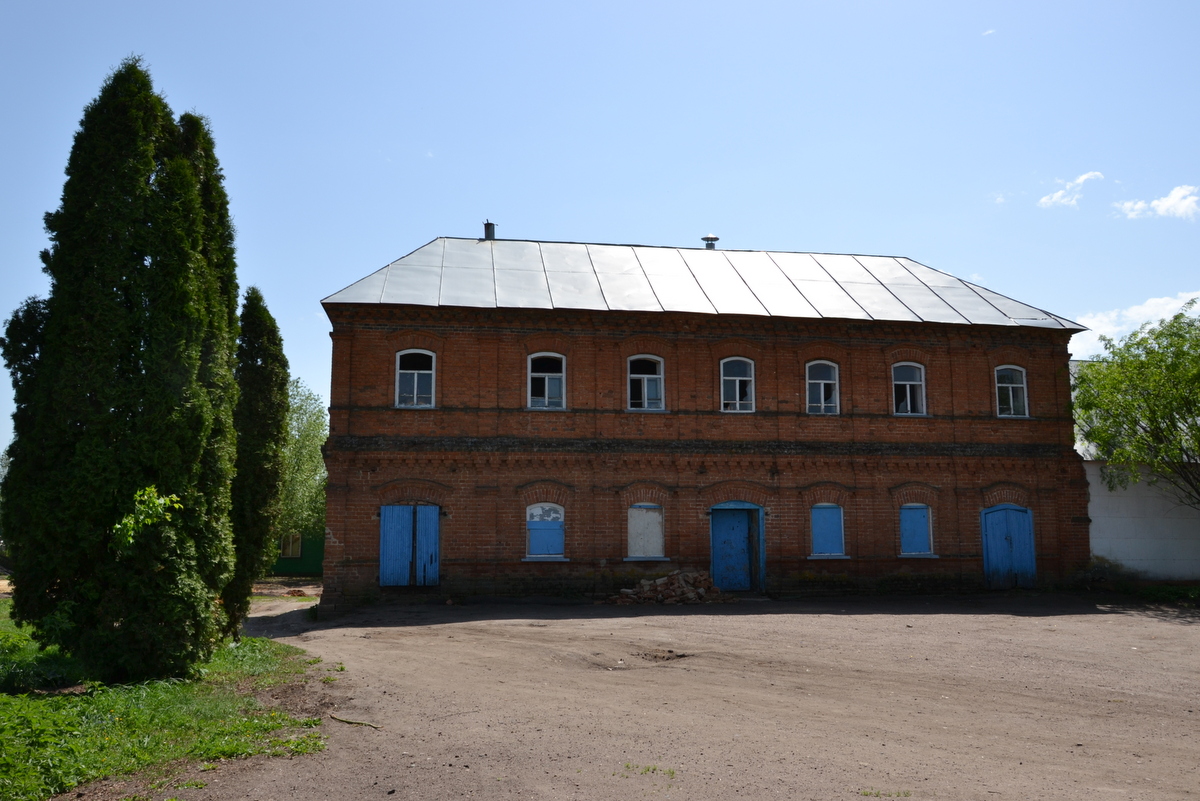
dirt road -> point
(989, 697)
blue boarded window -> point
(827, 535)
(914, 529)
(544, 523)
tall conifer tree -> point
(261, 422)
(123, 381)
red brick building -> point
(531, 417)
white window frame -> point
(1024, 386)
(630, 378)
(432, 379)
(753, 396)
(285, 546)
(837, 388)
(662, 533)
(921, 389)
(562, 518)
(529, 376)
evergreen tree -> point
(261, 422)
(124, 395)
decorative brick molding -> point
(914, 492)
(644, 492)
(413, 490)
(736, 490)
(826, 492)
(647, 345)
(420, 340)
(823, 352)
(728, 348)
(547, 343)
(545, 491)
(907, 353)
(1005, 492)
(1018, 357)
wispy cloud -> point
(1182, 202)
(989, 31)
(1070, 193)
(1117, 323)
(998, 197)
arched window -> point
(827, 534)
(414, 379)
(547, 381)
(645, 382)
(545, 526)
(737, 385)
(822, 379)
(908, 388)
(1010, 391)
(914, 530)
(645, 531)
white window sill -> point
(646, 559)
(545, 559)
(417, 408)
(737, 411)
(898, 414)
(918, 556)
(648, 411)
(545, 408)
(1013, 417)
(828, 556)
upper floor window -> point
(737, 385)
(645, 382)
(822, 387)
(1010, 392)
(908, 388)
(414, 379)
(547, 380)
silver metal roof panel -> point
(509, 273)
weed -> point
(191, 783)
(328, 679)
(316, 660)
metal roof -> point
(509, 273)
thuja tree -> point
(1139, 406)
(124, 395)
(261, 422)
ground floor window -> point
(289, 546)
(645, 531)
(914, 529)
(545, 526)
(827, 535)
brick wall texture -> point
(482, 456)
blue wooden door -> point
(408, 545)
(731, 548)
(1008, 552)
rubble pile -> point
(678, 587)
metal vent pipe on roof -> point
(489, 229)
(710, 241)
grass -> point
(50, 742)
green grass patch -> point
(50, 743)
(1171, 594)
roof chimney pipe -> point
(710, 242)
(489, 230)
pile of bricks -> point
(678, 587)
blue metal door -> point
(408, 545)
(731, 548)
(1008, 552)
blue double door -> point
(1008, 552)
(735, 549)
(409, 545)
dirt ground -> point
(999, 696)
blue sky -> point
(1045, 150)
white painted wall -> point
(1144, 529)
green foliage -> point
(149, 509)
(304, 467)
(50, 743)
(261, 422)
(123, 380)
(1139, 406)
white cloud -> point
(1069, 194)
(1117, 323)
(1182, 202)
(999, 197)
(989, 32)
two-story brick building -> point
(514, 416)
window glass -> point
(737, 385)
(1010, 392)
(546, 382)
(914, 529)
(414, 379)
(289, 546)
(645, 531)
(822, 388)
(827, 534)
(645, 384)
(544, 526)
(908, 389)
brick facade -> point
(483, 457)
